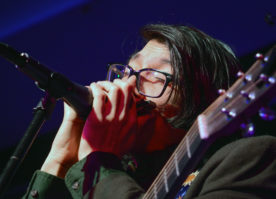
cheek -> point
(161, 101)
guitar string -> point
(254, 71)
(169, 166)
(238, 85)
(232, 103)
(180, 150)
(159, 180)
(246, 88)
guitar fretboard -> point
(171, 177)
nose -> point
(132, 80)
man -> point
(120, 148)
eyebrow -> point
(136, 55)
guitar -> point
(223, 117)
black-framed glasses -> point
(150, 82)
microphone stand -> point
(42, 112)
(56, 86)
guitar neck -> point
(183, 160)
(181, 163)
(223, 117)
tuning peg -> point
(266, 59)
(271, 80)
(263, 77)
(221, 91)
(24, 55)
(259, 56)
(266, 79)
(229, 114)
(240, 74)
(248, 96)
(248, 129)
(248, 77)
(229, 95)
(262, 58)
(267, 114)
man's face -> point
(154, 55)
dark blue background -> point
(79, 37)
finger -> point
(127, 88)
(114, 94)
(131, 101)
(99, 100)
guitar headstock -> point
(253, 90)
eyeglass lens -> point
(117, 72)
(149, 82)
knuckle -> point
(110, 117)
(122, 116)
(99, 95)
(114, 89)
(126, 86)
(100, 82)
(117, 80)
(92, 84)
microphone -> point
(77, 96)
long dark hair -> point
(201, 65)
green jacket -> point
(242, 169)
